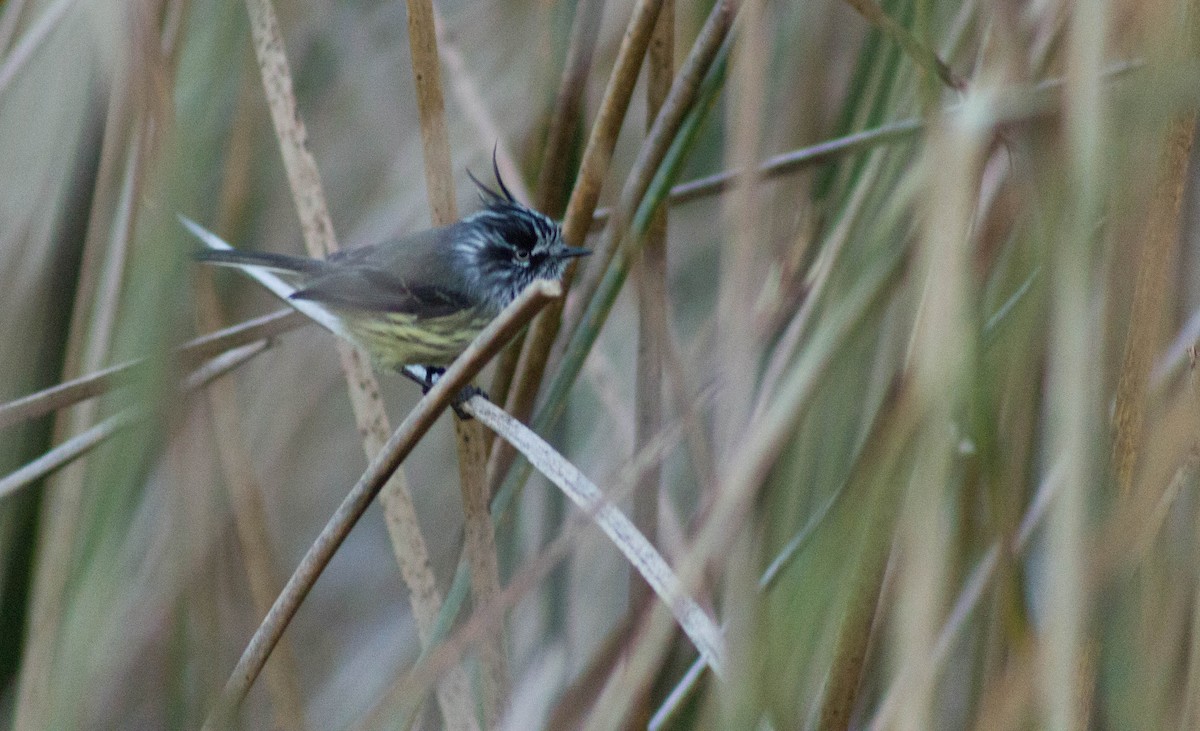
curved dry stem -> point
(418, 421)
(407, 690)
(414, 684)
(694, 621)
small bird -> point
(421, 299)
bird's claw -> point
(466, 394)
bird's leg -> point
(432, 374)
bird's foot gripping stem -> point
(431, 376)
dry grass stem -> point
(742, 216)
(679, 101)
(68, 393)
(90, 334)
(81, 443)
(484, 620)
(910, 381)
(694, 621)
(64, 394)
(652, 304)
(303, 175)
(1149, 296)
(470, 440)
(435, 140)
(34, 37)
(597, 157)
(924, 56)
(67, 452)
(414, 426)
(568, 107)
(942, 351)
(788, 163)
(479, 540)
(256, 328)
(308, 192)
(552, 178)
(465, 89)
(250, 521)
(1074, 403)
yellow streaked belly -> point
(396, 339)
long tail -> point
(262, 267)
(270, 262)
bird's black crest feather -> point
(489, 196)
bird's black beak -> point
(570, 252)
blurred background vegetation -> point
(920, 419)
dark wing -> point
(414, 275)
(373, 290)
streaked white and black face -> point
(507, 246)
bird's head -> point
(507, 245)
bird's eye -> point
(521, 254)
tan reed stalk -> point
(470, 439)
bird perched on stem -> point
(421, 299)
